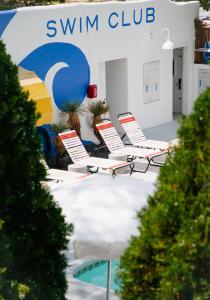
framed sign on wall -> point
(151, 82)
(203, 80)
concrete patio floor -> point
(163, 132)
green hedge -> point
(204, 3)
(33, 232)
(170, 258)
(10, 4)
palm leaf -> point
(73, 107)
(98, 108)
(59, 127)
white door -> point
(177, 80)
(116, 89)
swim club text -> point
(115, 20)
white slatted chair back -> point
(110, 136)
(73, 145)
(132, 129)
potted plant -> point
(98, 110)
(73, 110)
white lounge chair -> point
(116, 146)
(62, 175)
(136, 135)
(79, 155)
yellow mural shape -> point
(38, 92)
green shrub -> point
(170, 259)
(10, 4)
(33, 224)
(204, 3)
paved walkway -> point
(164, 132)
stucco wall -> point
(105, 32)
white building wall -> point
(188, 80)
(137, 44)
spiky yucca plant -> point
(74, 109)
(97, 110)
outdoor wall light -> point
(168, 45)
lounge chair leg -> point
(131, 168)
(145, 170)
(114, 173)
(149, 161)
(130, 158)
(92, 172)
(157, 164)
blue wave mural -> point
(5, 17)
(68, 66)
